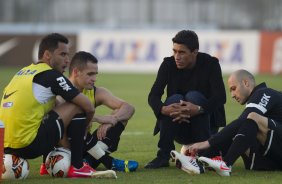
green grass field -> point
(138, 143)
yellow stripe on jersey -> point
(90, 94)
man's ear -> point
(47, 55)
(195, 52)
(246, 83)
(75, 72)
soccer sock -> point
(44, 156)
(99, 149)
(107, 161)
(243, 140)
(113, 136)
(98, 152)
(94, 163)
(90, 141)
(111, 140)
(76, 132)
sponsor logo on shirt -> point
(8, 95)
(63, 83)
(7, 104)
(264, 100)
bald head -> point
(241, 83)
(241, 75)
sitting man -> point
(255, 135)
(195, 97)
(105, 139)
(33, 124)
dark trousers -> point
(198, 129)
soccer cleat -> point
(217, 164)
(156, 163)
(187, 163)
(105, 174)
(43, 171)
(84, 172)
(124, 165)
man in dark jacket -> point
(194, 107)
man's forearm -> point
(124, 113)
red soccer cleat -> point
(217, 164)
(43, 171)
(84, 172)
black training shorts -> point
(273, 144)
(267, 156)
(49, 134)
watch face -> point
(201, 110)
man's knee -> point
(124, 123)
(254, 116)
(174, 99)
(196, 97)
(261, 121)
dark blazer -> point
(205, 77)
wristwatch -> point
(201, 110)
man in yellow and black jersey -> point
(104, 140)
(33, 125)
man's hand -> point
(167, 110)
(189, 108)
(195, 148)
(181, 112)
(102, 130)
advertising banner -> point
(271, 53)
(130, 51)
(234, 49)
(143, 51)
(22, 49)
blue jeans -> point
(184, 133)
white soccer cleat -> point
(110, 174)
(187, 163)
(217, 164)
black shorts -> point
(268, 156)
(273, 145)
(49, 134)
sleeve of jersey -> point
(58, 83)
(260, 102)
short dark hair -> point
(188, 38)
(80, 60)
(50, 43)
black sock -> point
(90, 141)
(92, 161)
(44, 156)
(243, 140)
(76, 132)
(107, 161)
(113, 136)
(114, 132)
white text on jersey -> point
(264, 100)
(63, 84)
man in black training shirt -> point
(255, 135)
(194, 107)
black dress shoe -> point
(157, 163)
